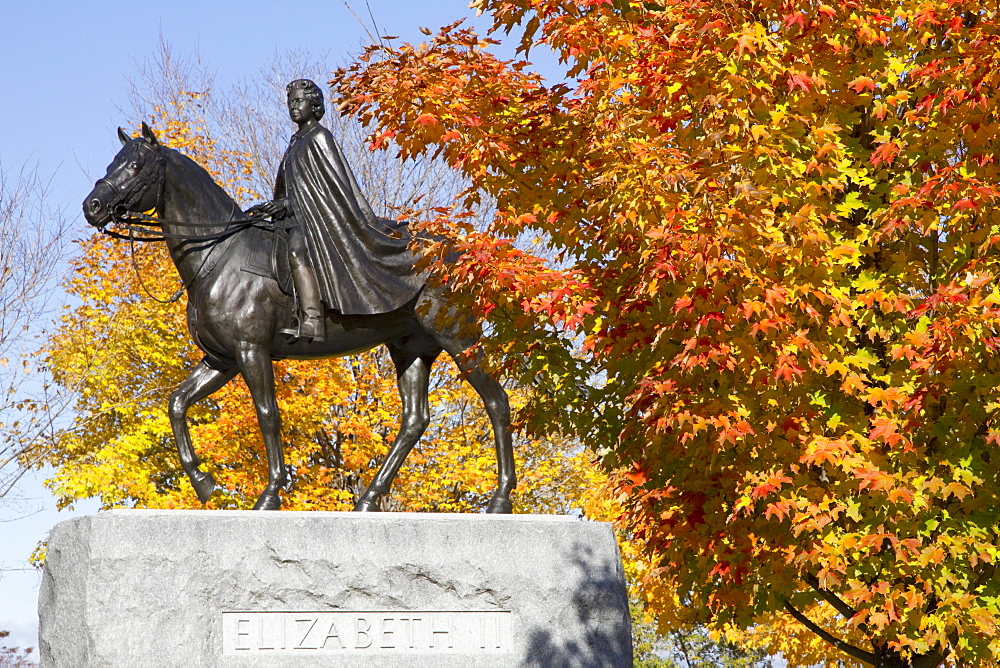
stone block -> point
(243, 588)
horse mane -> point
(196, 176)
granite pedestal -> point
(243, 588)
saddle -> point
(267, 255)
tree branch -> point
(838, 604)
(850, 650)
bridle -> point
(152, 171)
(145, 228)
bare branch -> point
(32, 253)
(362, 23)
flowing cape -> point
(362, 262)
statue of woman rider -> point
(343, 257)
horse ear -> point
(123, 136)
(148, 134)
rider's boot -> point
(312, 324)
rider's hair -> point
(312, 92)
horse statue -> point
(234, 317)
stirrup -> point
(296, 332)
(292, 333)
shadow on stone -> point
(608, 641)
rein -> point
(214, 238)
(140, 227)
(143, 228)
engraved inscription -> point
(423, 632)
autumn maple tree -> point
(769, 298)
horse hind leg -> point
(498, 408)
(412, 377)
(495, 401)
(203, 381)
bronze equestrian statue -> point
(356, 291)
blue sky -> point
(64, 68)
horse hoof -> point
(204, 485)
(268, 501)
(500, 505)
(366, 506)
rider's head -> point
(312, 93)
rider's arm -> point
(277, 207)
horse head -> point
(133, 182)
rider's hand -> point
(256, 210)
(276, 208)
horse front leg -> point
(203, 381)
(412, 377)
(255, 365)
